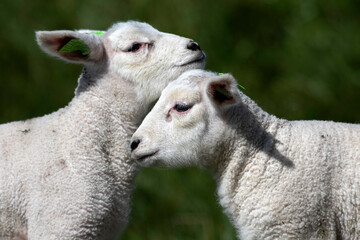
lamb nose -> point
(134, 144)
(193, 46)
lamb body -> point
(276, 179)
(68, 175)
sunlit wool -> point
(276, 179)
(68, 175)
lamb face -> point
(133, 51)
(151, 58)
(186, 126)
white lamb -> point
(276, 179)
(68, 175)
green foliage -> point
(297, 59)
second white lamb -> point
(276, 179)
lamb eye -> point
(181, 107)
(134, 48)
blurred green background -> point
(297, 60)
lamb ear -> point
(223, 90)
(77, 47)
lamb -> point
(68, 175)
(276, 179)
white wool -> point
(68, 175)
(276, 179)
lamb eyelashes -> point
(181, 107)
(135, 47)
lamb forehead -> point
(131, 30)
(131, 25)
(187, 87)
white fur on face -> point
(160, 58)
(174, 138)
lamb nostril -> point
(135, 144)
(193, 46)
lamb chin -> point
(145, 162)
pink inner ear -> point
(221, 94)
(56, 43)
(75, 55)
(60, 42)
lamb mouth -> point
(146, 157)
(201, 58)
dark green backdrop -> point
(297, 60)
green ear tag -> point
(243, 88)
(78, 45)
(99, 33)
(75, 45)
